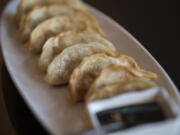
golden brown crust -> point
(42, 13)
(137, 84)
(114, 74)
(26, 5)
(58, 43)
(90, 67)
(62, 66)
(55, 25)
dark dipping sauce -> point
(125, 117)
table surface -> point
(153, 23)
(6, 127)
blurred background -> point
(153, 23)
(6, 127)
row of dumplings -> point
(73, 49)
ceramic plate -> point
(49, 103)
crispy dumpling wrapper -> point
(61, 67)
(56, 44)
(26, 5)
(84, 75)
(53, 26)
(42, 13)
(114, 74)
(137, 84)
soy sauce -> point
(129, 116)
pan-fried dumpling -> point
(26, 5)
(83, 75)
(61, 67)
(114, 74)
(41, 13)
(137, 84)
(52, 27)
(56, 44)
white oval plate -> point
(49, 103)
